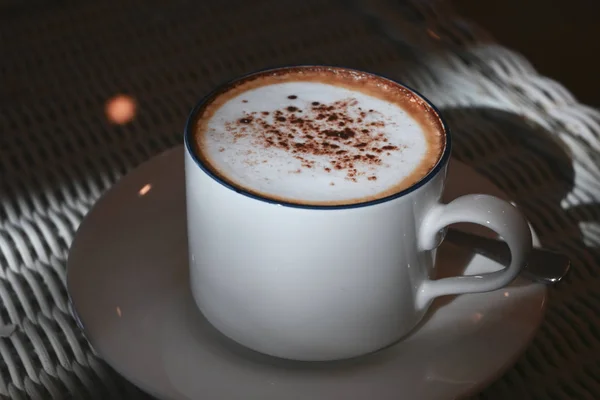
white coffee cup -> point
(329, 282)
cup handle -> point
(485, 210)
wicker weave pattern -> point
(63, 61)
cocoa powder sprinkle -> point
(347, 138)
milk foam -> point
(238, 137)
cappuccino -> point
(318, 136)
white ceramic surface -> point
(129, 284)
(324, 282)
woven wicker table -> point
(61, 62)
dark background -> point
(559, 37)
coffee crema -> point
(318, 136)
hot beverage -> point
(318, 136)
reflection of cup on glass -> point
(313, 201)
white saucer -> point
(128, 282)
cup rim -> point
(190, 148)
